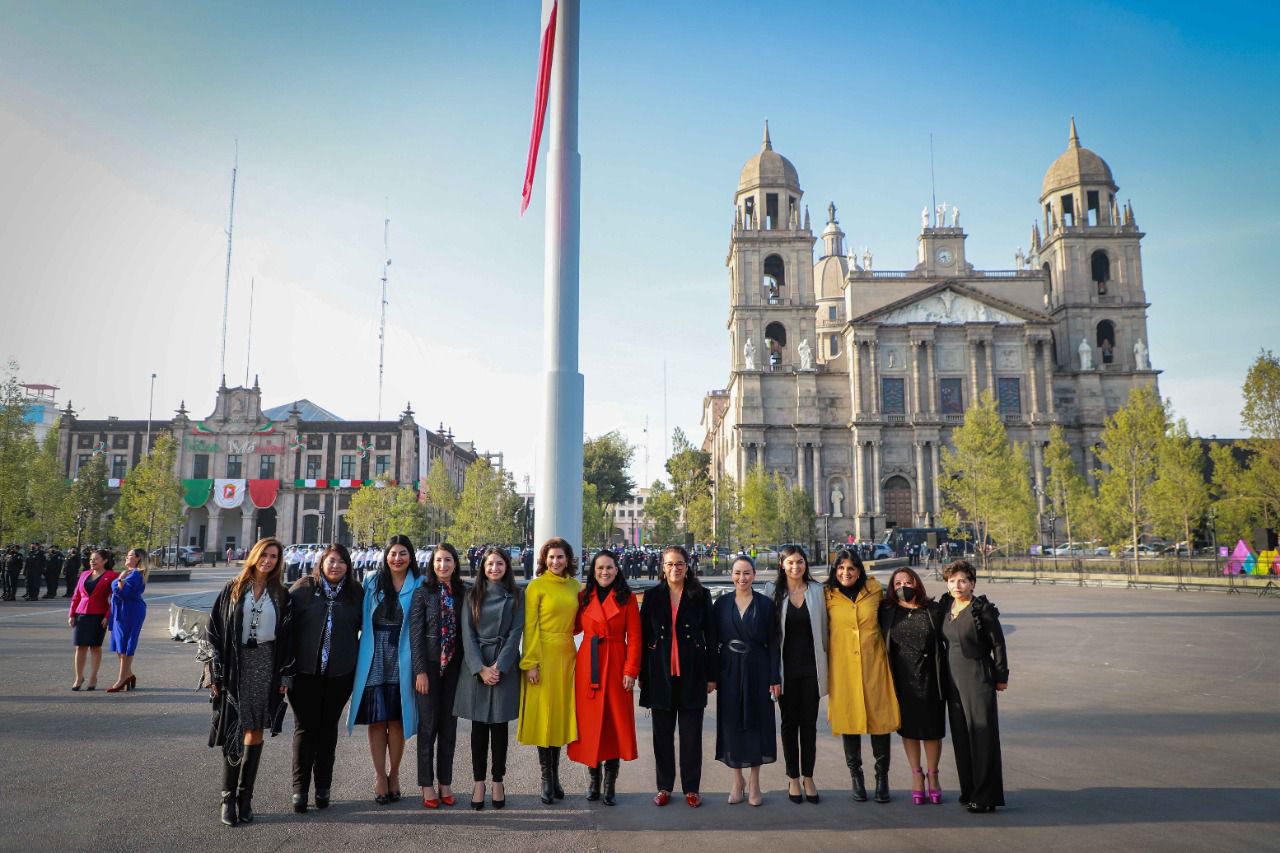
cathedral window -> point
(831, 312)
(894, 394)
(749, 213)
(1068, 211)
(951, 396)
(1106, 340)
(771, 211)
(1048, 284)
(1100, 265)
(835, 345)
(775, 278)
(1092, 204)
(1009, 396)
(775, 338)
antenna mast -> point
(248, 350)
(226, 287)
(382, 325)
(933, 188)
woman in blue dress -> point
(128, 612)
(383, 698)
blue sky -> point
(118, 125)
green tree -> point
(441, 501)
(688, 469)
(48, 493)
(796, 517)
(88, 500)
(700, 518)
(757, 520)
(597, 519)
(17, 449)
(662, 514)
(605, 461)
(1235, 511)
(1131, 441)
(150, 499)
(1180, 498)
(1069, 495)
(984, 481)
(724, 502)
(1257, 485)
(487, 508)
(381, 510)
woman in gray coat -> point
(489, 689)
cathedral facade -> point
(848, 380)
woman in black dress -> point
(250, 668)
(749, 682)
(977, 669)
(911, 624)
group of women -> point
(106, 601)
(413, 649)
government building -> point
(848, 380)
(288, 472)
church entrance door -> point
(897, 502)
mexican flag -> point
(311, 484)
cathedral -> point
(848, 380)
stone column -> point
(1037, 469)
(917, 405)
(989, 350)
(819, 499)
(1032, 377)
(213, 535)
(1047, 374)
(937, 489)
(860, 487)
(284, 504)
(920, 505)
(801, 474)
(973, 373)
(855, 354)
(873, 387)
(876, 497)
(247, 516)
(935, 405)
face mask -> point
(907, 593)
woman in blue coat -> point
(383, 698)
(128, 612)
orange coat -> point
(606, 712)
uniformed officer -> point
(52, 568)
(12, 569)
(35, 572)
(71, 571)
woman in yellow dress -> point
(547, 717)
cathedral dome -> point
(1077, 165)
(829, 274)
(768, 168)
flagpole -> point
(559, 505)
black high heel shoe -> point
(497, 804)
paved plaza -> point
(1134, 720)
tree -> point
(984, 481)
(597, 520)
(487, 508)
(441, 501)
(604, 467)
(1131, 441)
(88, 500)
(1259, 483)
(724, 503)
(379, 511)
(688, 469)
(1068, 493)
(1180, 498)
(16, 451)
(662, 514)
(150, 500)
(700, 518)
(795, 513)
(1235, 512)
(757, 519)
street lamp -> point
(146, 447)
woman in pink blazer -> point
(89, 614)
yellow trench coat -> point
(861, 699)
(547, 715)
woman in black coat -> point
(250, 667)
(677, 671)
(326, 636)
(749, 681)
(436, 646)
(977, 669)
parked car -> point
(881, 551)
(1143, 551)
(182, 555)
(1069, 549)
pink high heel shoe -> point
(917, 797)
(935, 794)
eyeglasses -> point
(675, 565)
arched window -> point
(1048, 284)
(775, 279)
(1101, 266)
(1107, 341)
(775, 338)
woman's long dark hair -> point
(389, 606)
(846, 554)
(891, 594)
(691, 583)
(621, 589)
(780, 581)
(432, 583)
(350, 589)
(481, 587)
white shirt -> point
(266, 617)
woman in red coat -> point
(607, 667)
(90, 613)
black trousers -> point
(438, 727)
(975, 738)
(317, 703)
(33, 583)
(482, 734)
(51, 580)
(665, 722)
(799, 710)
(10, 583)
(72, 577)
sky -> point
(119, 127)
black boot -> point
(853, 759)
(544, 764)
(611, 781)
(880, 749)
(593, 786)
(248, 775)
(555, 773)
(230, 778)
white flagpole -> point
(559, 504)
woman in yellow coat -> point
(860, 699)
(547, 717)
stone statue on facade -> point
(955, 217)
(1140, 356)
(1086, 354)
(837, 503)
(1019, 260)
(749, 355)
(924, 216)
(866, 258)
(806, 354)
(941, 210)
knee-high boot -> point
(880, 749)
(230, 778)
(544, 764)
(593, 785)
(611, 781)
(248, 775)
(555, 773)
(853, 758)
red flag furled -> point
(545, 55)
